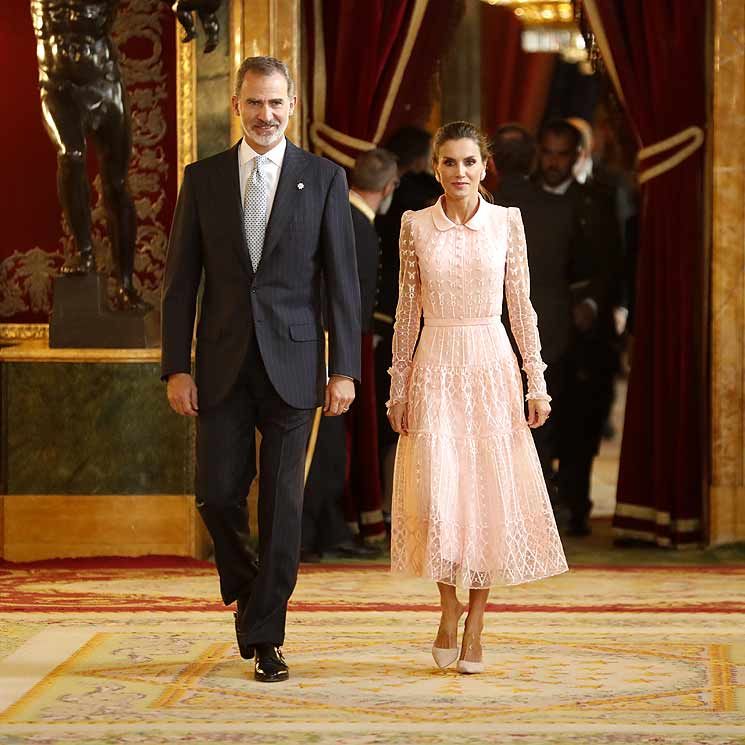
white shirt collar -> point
(276, 155)
(561, 188)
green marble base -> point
(93, 462)
(91, 427)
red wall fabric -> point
(35, 237)
(514, 84)
(658, 50)
(29, 209)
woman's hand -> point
(397, 416)
(538, 412)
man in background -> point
(592, 360)
(558, 262)
(343, 499)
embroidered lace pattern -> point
(470, 506)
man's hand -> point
(339, 396)
(182, 394)
(584, 314)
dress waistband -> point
(488, 321)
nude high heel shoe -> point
(470, 667)
(445, 656)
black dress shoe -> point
(579, 527)
(309, 557)
(270, 666)
(353, 550)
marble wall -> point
(727, 308)
(92, 460)
(213, 91)
(92, 428)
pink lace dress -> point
(470, 506)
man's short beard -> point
(555, 178)
(268, 139)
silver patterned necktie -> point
(255, 209)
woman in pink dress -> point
(470, 506)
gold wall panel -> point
(49, 526)
(268, 27)
(727, 307)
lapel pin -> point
(301, 185)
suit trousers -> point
(226, 467)
(546, 437)
(323, 521)
(586, 403)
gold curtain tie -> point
(322, 136)
(695, 135)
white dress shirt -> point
(273, 166)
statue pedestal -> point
(81, 318)
(92, 460)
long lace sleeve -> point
(408, 313)
(523, 319)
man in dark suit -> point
(345, 470)
(593, 357)
(373, 184)
(559, 271)
(264, 221)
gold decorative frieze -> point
(15, 333)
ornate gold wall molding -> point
(15, 333)
(727, 495)
(269, 27)
(35, 348)
(186, 108)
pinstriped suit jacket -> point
(309, 237)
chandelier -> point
(548, 26)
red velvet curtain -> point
(658, 51)
(371, 64)
(514, 84)
(371, 67)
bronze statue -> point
(82, 95)
(206, 10)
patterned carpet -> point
(139, 652)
